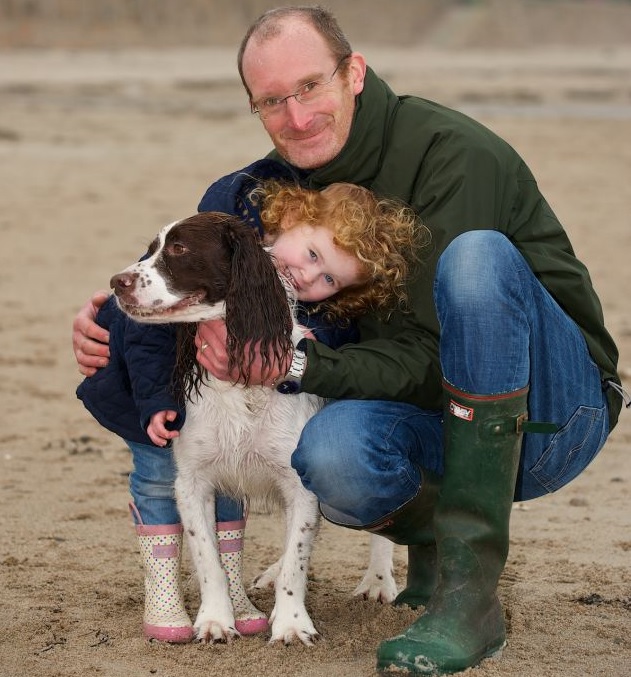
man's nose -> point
(299, 115)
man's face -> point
(310, 134)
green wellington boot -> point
(422, 574)
(410, 525)
(463, 621)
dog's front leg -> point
(196, 503)
(289, 617)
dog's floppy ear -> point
(257, 311)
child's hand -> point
(157, 430)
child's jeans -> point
(151, 487)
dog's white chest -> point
(241, 439)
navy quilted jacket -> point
(136, 383)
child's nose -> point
(310, 274)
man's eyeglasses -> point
(306, 94)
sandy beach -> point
(98, 151)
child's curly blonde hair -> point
(383, 234)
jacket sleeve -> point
(150, 358)
(393, 360)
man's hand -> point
(212, 355)
(157, 429)
(89, 340)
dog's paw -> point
(299, 626)
(308, 636)
(211, 630)
(378, 586)
(268, 578)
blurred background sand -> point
(114, 117)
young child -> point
(344, 252)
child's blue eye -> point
(328, 279)
(313, 255)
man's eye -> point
(271, 102)
(309, 87)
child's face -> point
(315, 267)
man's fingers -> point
(90, 361)
(91, 353)
(99, 298)
(92, 333)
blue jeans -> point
(151, 487)
(500, 331)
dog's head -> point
(208, 266)
(185, 274)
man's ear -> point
(357, 70)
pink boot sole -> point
(165, 634)
(252, 626)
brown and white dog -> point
(237, 440)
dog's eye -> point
(177, 249)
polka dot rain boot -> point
(248, 619)
(165, 617)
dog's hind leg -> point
(378, 582)
(267, 579)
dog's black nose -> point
(123, 281)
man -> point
(498, 383)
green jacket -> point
(458, 176)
